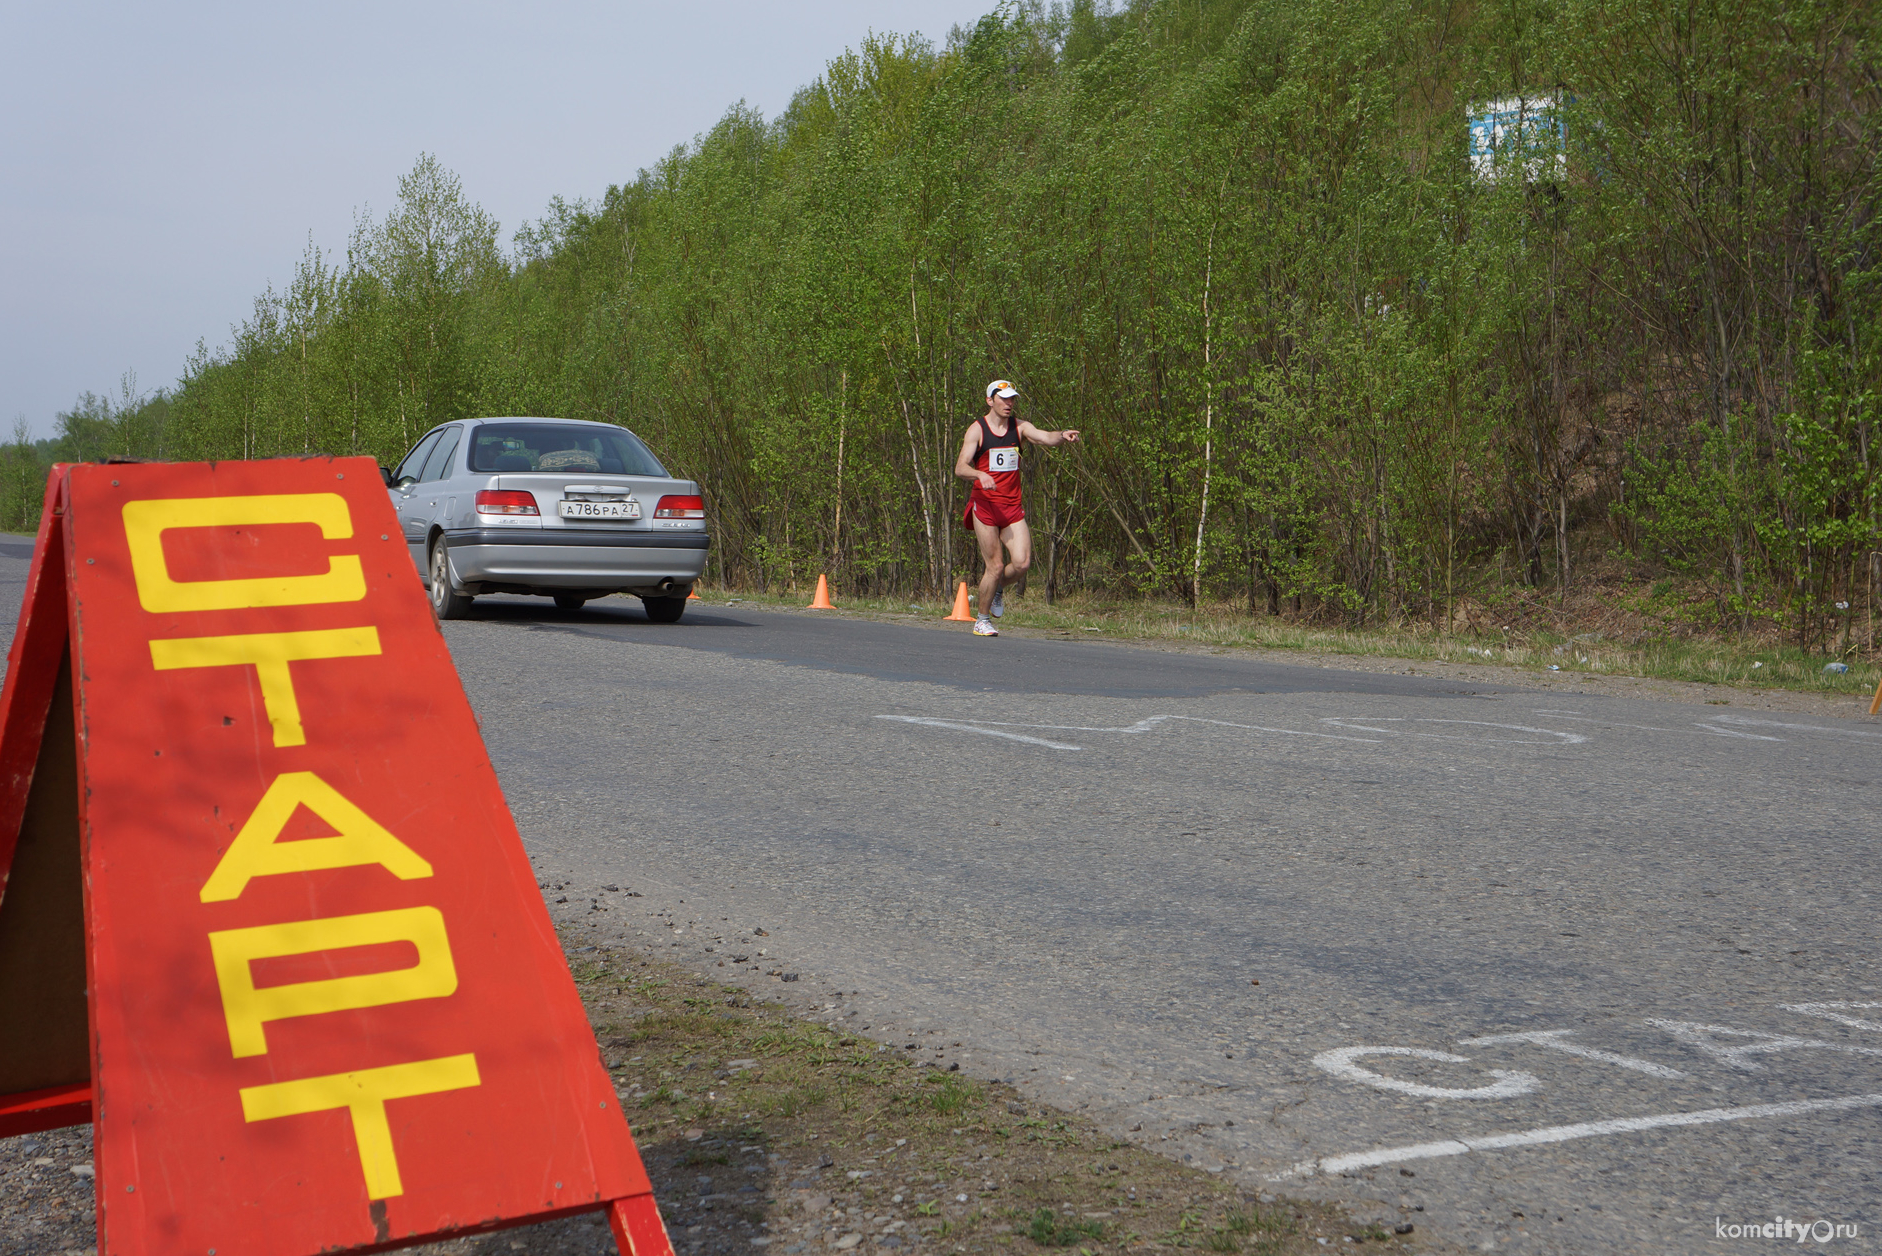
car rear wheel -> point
(570, 601)
(664, 610)
(446, 602)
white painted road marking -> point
(1149, 723)
(1651, 728)
(1728, 732)
(1565, 1133)
(1374, 724)
(975, 728)
(1566, 739)
(1339, 1062)
(1799, 728)
(1701, 1037)
(1733, 1047)
(1552, 1039)
(1824, 1011)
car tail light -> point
(679, 506)
(506, 501)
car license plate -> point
(598, 510)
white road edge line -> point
(975, 728)
(1345, 721)
(1824, 1011)
(1726, 732)
(1802, 728)
(1652, 728)
(1150, 722)
(1565, 1133)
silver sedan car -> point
(560, 508)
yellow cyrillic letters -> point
(248, 1010)
(255, 852)
(259, 851)
(269, 653)
(364, 1094)
(145, 522)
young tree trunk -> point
(842, 420)
(1875, 591)
(921, 488)
(1052, 545)
(1208, 413)
(1561, 539)
(947, 520)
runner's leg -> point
(988, 537)
(1018, 538)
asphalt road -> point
(1076, 859)
(1069, 863)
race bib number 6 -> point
(1003, 458)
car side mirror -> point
(385, 474)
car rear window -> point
(551, 447)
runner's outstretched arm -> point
(1067, 437)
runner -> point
(990, 461)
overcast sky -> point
(161, 164)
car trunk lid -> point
(552, 488)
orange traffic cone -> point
(1877, 704)
(961, 613)
(694, 596)
(822, 601)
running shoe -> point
(999, 602)
(983, 627)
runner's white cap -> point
(1001, 387)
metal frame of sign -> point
(265, 919)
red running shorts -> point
(991, 513)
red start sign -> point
(307, 984)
